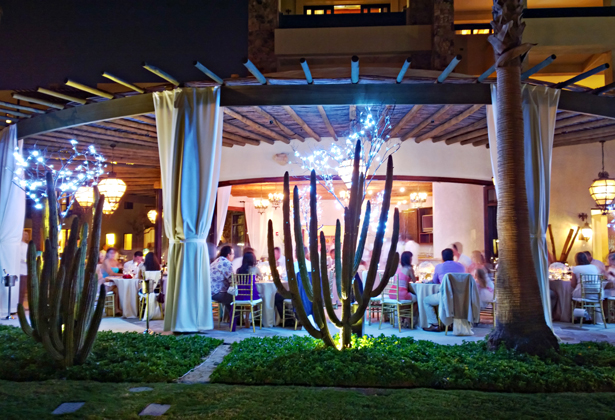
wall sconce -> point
(110, 238)
(586, 230)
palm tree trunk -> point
(520, 316)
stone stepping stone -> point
(66, 408)
(155, 410)
(141, 389)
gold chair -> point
(490, 309)
(591, 296)
(291, 313)
(395, 307)
(243, 299)
(375, 304)
(217, 310)
(154, 278)
(110, 303)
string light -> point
(74, 169)
(376, 146)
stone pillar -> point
(440, 14)
(262, 22)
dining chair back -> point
(244, 300)
(394, 305)
(591, 296)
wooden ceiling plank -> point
(426, 122)
(577, 119)
(234, 137)
(483, 141)
(302, 123)
(467, 136)
(128, 126)
(584, 126)
(256, 126)
(290, 133)
(462, 130)
(96, 139)
(234, 142)
(80, 131)
(108, 132)
(246, 134)
(574, 142)
(405, 120)
(145, 119)
(597, 132)
(60, 144)
(448, 124)
(475, 139)
(325, 119)
(227, 144)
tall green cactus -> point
(347, 259)
(61, 299)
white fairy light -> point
(30, 173)
(372, 131)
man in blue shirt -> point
(430, 302)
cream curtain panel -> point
(539, 114)
(224, 195)
(12, 215)
(189, 125)
(257, 228)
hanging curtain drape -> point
(12, 215)
(224, 195)
(189, 126)
(257, 228)
(539, 114)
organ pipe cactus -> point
(61, 296)
(347, 259)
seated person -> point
(151, 263)
(431, 301)
(485, 287)
(583, 267)
(405, 273)
(110, 265)
(132, 267)
(221, 272)
(610, 272)
(248, 266)
(595, 262)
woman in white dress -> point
(582, 267)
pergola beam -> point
(85, 88)
(68, 98)
(450, 123)
(302, 123)
(449, 69)
(122, 82)
(160, 73)
(354, 69)
(278, 124)
(270, 133)
(325, 119)
(404, 69)
(255, 72)
(544, 63)
(306, 71)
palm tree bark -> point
(520, 317)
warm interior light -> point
(586, 231)
(8, 121)
(602, 191)
(85, 196)
(402, 189)
(128, 241)
(113, 189)
(151, 215)
(345, 171)
(110, 239)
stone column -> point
(440, 14)
(262, 22)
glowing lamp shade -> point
(345, 171)
(113, 189)
(108, 208)
(586, 231)
(602, 191)
(151, 215)
(85, 196)
(110, 237)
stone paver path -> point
(202, 372)
(66, 408)
(155, 410)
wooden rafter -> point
(245, 133)
(130, 126)
(92, 133)
(584, 126)
(474, 140)
(230, 136)
(226, 143)
(325, 119)
(426, 122)
(482, 123)
(467, 136)
(302, 123)
(111, 133)
(290, 133)
(405, 120)
(98, 139)
(233, 142)
(583, 140)
(450, 123)
(145, 119)
(481, 142)
(256, 126)
(597, 132)
(577, 119)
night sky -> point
(43, 42)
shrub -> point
(405, 362)
(116, 357)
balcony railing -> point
(341, 21)
(566, 12)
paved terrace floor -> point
(567, 332)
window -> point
(149, 239)
(128, 241)
(128, 205)
(347, 9)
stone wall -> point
(440, 14)
(262, 22)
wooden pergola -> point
(424, 106)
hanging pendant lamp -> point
(112, 188)
(602, 189)
(85, 196)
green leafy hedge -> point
(116, 357)
(404, 362)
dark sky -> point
(43, 42)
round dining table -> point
(128, 293)
(563, 293)
(267, 291)
(422, 290)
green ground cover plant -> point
(115, 357)
(405, 362)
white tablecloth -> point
(267, 291)
(128, 290)
(422, 290)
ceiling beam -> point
(144, 119)
(245, 133)
(325, 119)
(483, 141)
(96, 140)
(584, 126)
(405, 120)
(235, 137)
(583, 140)
(233, 142)
(462, 130)
(474, 140)
(290, 133)
(426, 122)
(256, 126)
(469, 135)
(130, 126)
(450, 123)
(597, 132)
(302, 123)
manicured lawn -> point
(116, 357)
(385, 362)
(36, 400)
